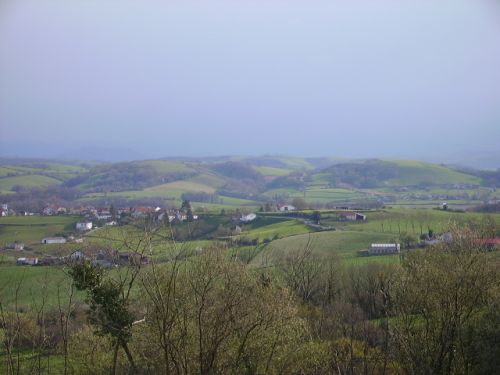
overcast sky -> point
(346, 78)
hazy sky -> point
(346, 78)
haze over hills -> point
(477, 158)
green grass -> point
(381, 226)
(280, 192)
(28, 361)
(31, 229)
(329, 195)
(271, 171)
(172, 193)
(179, 187)
(208, 179)
(412, 221)
(33, 285)
(342, 244)
(270, 228)
(165, 166)
(413, 173)
(5, 171)
(27, 181)
(40, 174)
(320, 195)
(294, 162)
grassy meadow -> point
(31, 229)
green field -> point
(208, 179)
(410, 220)
(31, 285)
(272, 171)
(28, 181)
(269, 228)
(330, 195)
(178, 187)
(169, 179)
(165, 166)
(413, 173)
(293, 162)
(31, 229)
(40, 174)
(275, 235)
(342, 244)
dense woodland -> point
(436, 312)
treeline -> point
(204, 312)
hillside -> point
(134, 175)
(253, 181)
(18, 174)
(381, 173)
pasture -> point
(413, 221)
(341, 244)
(40, 174)
(28, 286)
(272, 171)
(412, 173)
(28, 181)
(31, 229)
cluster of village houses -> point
(105, 258)
(92, 215)
(99, 214)
(114, 258)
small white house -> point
(287, 207)
(84, 225)
(53, 240)
(248, 218)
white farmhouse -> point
(287, 207)
(84, 226)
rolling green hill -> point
(383, 173)
(250, 179)
(31, 173)
(9, 184)
(417, 173)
